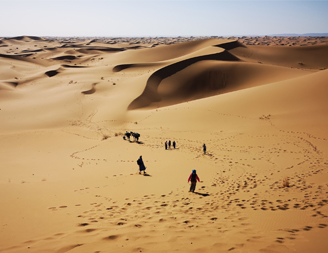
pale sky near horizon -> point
(136, 18)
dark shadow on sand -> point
(139, 142)
(202, 194)
(208, 154)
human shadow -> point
(208, 154)
(139, 142)
(202, 194)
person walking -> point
(174, 144)
(193, 178)
(169, 144)
(204, 148)
(165, 145)
(141, 165)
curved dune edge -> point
(209, 78)
(51, 73)
(150, 93)
(8, 85)
(26, 38)
(91, 91)
(296, 57)
(121, 67)
(73, 66)
(15, 56)
(233, 51)
(185, 55)
(65, 57)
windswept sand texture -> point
(70, 183)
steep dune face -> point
(208, 75)
(208, 78)
(152, 94)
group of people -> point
(193, 177)
(168, 144)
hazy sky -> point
(161, 17)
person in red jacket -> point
(193, 179)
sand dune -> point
(207, 78)
(70, 183)
(312, 57)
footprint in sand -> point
(280, 240)
(111, 237)
(307, 228)
(89, 230)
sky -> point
(151, 18)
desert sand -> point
(70, 182)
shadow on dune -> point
(51, 73)
(16, 56)
(8, 85)
(138, 142)
(73, 66)
(230, 45)
(121, 67)
(151, 94)
(118, 68)
(91, 48)
(91, 91)
(65, 57)
(32, 51)
(226, 71)
(25, 38)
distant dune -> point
(69, 177)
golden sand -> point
(70, 183)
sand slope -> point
(70, 183)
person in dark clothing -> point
(204, 148)
(169, 144)
(174, 144)
(193, 178)
(165, 144)
(141, 165)
(128, 134)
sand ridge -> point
(70, 181)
